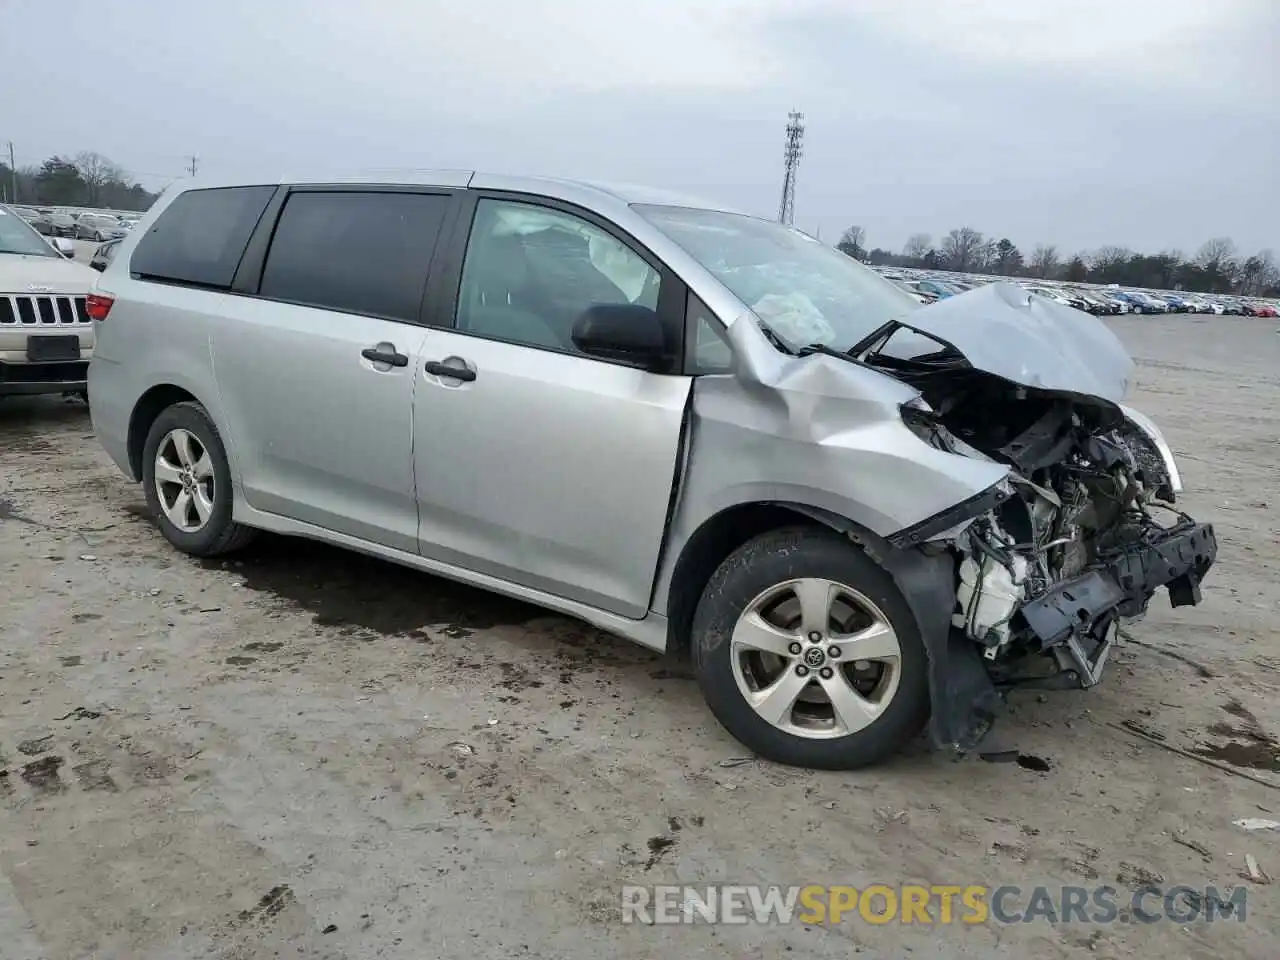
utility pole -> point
(194, 165)
(791, 154)
(13, 174)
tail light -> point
(98, 306)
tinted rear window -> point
(200, 237)
(356, 252)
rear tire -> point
(808, 653)
(203, 474)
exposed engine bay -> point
(1079, 537)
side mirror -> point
(64, 246)
(624, 332)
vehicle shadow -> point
(27, 422)
(41, 410)
(362, 596)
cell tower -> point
(794, 150)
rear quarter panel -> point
(156, 335)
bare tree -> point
(96, 171)
(1044, 260)
(1215, 252)
(917, 246)
(962, 248)
(987, 257)
(1269, 275)
(1257, 273)
(1108, 263)
(1217, 258)
(853, 242)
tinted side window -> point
(200, 237)
(357, 252)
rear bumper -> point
(42, 377)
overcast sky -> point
(1153, 124)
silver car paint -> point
(815, 431)
(321, 435)
(818, 432)
(550, 470)
(1029, 340)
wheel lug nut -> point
(825, 673)
(833, 653)
(794, 648)
(802, 671)
(815, 637)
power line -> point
(791, 154)
(194, 165)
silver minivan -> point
(695, 428)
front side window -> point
(364, 253)
(708, 350)
(17, 236)
(802, 289)
(531, 271)
(200, 237)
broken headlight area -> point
(1086, 537)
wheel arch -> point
(724, 532)
(149, 406)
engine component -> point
(993, 585)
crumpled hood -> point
(1005, 331)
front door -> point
(535, 463)
(316, 373)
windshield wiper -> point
(777, 340)
(826, 350)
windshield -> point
(16, 236)
(802, 289)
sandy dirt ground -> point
(303, 752)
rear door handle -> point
(385, 353)
(439, 369)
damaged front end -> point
(1078, 537)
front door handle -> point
(439, 369)
(385, 353)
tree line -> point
(1217, 266)
(86, 179)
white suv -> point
(46, 335)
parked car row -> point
(78, 225)
(931, 286)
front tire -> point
(808, 653)
(187, 482)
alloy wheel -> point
(184, 480)
(816, 658)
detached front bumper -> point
(1077, 617)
